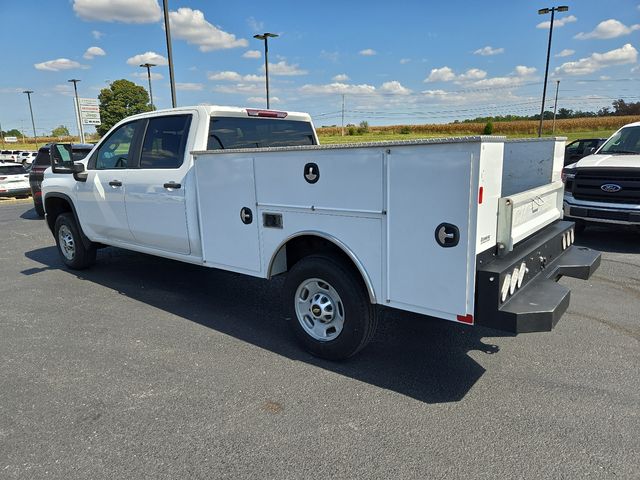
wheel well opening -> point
(302, 246)
(55, 206)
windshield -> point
(626, 141)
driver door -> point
(100, 200)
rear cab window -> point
(239, 132)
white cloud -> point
(243, 88)
(93, 52)
(255, 25)
(189, 87)
(557, 22)
(64, 89)
(58, 64)
(126, 11)
(596, 61)
(608, 29)
(488, 51)
(97, 34)
(394, 87)
(341, 77)
(190, 25)
(338, 88)
(330, 56)
(229, 76)
(471, 75)
(147, 57)
(282, 68)
(605, 77)
(252, 54)
(567, 52)
(368, 52)
(444, 74)
(143, 75)
(403, 61)
(520, 75)
(263, 100)
(523, 71)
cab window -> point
(165, 141)
(115, 152)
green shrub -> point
(405, 130)
(488, 128)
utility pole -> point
(167, 31)
(555, 108)
(2, 135)
(544, 11)
(342, 129)
(33, 124)
(148, 67)
(78, 115)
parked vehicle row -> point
(14, 180)
(23, 157)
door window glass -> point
(114, 152)
(165, 141)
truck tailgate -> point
(523, 214)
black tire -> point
(358, 315)
(74, 253)
(39, 209)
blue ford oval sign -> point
(610, 188)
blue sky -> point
(406, 62)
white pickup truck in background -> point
(467, 229)
(604, 187)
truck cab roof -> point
(227, 111)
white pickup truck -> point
(604, 188)
(465, 229)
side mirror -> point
(61, 158)
(79, 172)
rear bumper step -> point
(538, 305)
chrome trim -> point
(337, 243)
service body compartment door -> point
(427, 189)
(228, 213)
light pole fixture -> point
(167, 32)
(33, 124)
(555, 108)
(544, 11)
(79, 116)
(265, 36)
(148, 67)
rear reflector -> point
(266, 113)
(38, 193)
(480, 194)
(466, 319)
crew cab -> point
(466, 229)
(604, 187)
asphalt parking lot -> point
(147, 368)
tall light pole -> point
(555, 108)
(167, 31)
(265, 36)
(33, 124)
(148, 67)
(544, 11)
(78, 115)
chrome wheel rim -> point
(67, 243)
(319, 309)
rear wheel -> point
(328, 307)
(72, 250)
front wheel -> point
(72, 250)
(328, 307)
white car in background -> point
(26, 158)
(14, 180)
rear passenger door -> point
(155, 187)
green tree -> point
(488, 128)
(60, 131)
(120, 100)
(14, 132)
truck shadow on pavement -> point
(613, 238)
(423, 358)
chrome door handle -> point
(115, 183)
(172, 186)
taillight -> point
(266, 113)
